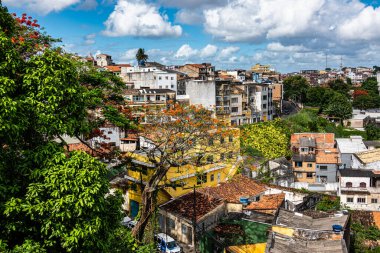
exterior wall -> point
(237, 105)
(367, 206)
(346, 160)
(207, 222)
(165, 80)
(330, 173)
(294, 197)
(378, 80)
(201, 93)
(112, 135)
(356, 164)
(304, 170)
(234, 208)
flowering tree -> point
(177, 136)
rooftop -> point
(282, 243)
(267, 203)
(355, 173)
(351, 145)
(298, 220)
(319, 138)
(183, 206)
(369, 156)
(238, 186)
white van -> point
(166, 244)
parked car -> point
(166, 244)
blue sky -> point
(288, 34)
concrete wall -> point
(330, 173)
(346, 160)
(234, 208)
(294, 197)
(367, 206)
(356, 164)
(201, 93)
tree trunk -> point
(149, 202)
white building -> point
(261, 102)
(149, 78)
(360, 187)
(347, 147)
(103, 60)
(201, 92)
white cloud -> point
(365, 26)
(41, 6)
(88, 5)
(137, 18)
(228, 51)
(208, 51)
(193, 4)
(276, 46)
(89, 39)
(190, 17)
(185, 52)
(129, 55)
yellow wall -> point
(249, 248)
(283, 230)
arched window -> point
(363, 185)
(348, 184)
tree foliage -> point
(371, 85)
(339, 86)
(51, 200)
(178, 135)
(295, 88)
(268, 138)
(339, 107)
(373, 131)
(141, 57)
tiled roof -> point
(320, 138)
(369, 156)
(116, 68)
(328, 157)
(238, 186)
(184, 206)
(267, 203)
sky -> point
(289, 35)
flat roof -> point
(369, 156)
(351, 145)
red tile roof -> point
(238, 186)
(184, 206)
(267, 203)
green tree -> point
(340, 86)
(371, 85)
(295, 88)
(364, 102)
(141, 56)
(269, 139)
(339, 107)
(51, 200)
(373, 132)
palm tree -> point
(141, 57)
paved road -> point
(288, 108)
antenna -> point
(341, 63)
(326, 61)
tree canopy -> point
(295, 88)
(52, 200)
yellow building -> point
(258, 68)
(182, 179)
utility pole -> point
(195, 218)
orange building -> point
(315, 158)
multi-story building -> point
(347, 147)
(260, 101)
(315, 159)
(103, 60)
(218, 168)
(148, 78)
(141, 101)
(204, 71)
(258, 68)
(277, 96)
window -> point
(171, 78)
(212, 177)
(166, 77)
(350, 200)
(201, 178)
(230, 138)
(184, 229)
(210, 142)
(172, 86)
(323, 179)
(234, 100)
(363, 185)
(323, 167)
(234, 109)
(348, 184)
(264, 106)
(298, 164)
(309, 165)
(361, 200)
(158, 97)
(299, 175)
(265, 97)
(218, 177)
(309, 175)
(159, 78)
(304, 149)
(170, 224)
(374, 201)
